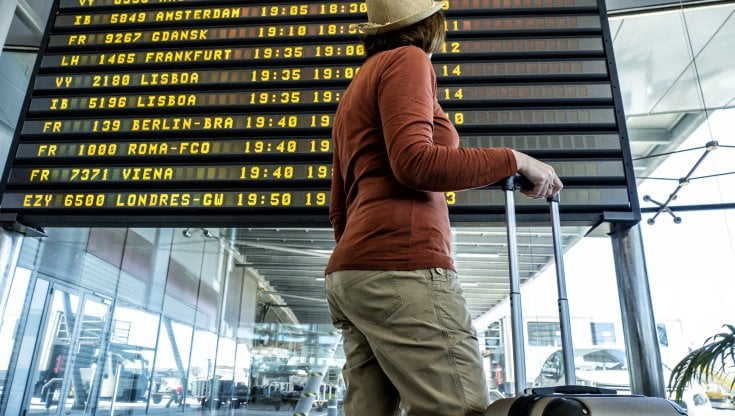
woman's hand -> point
(544, 181)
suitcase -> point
(582, 401)
(570, 399)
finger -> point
(543, 190)
(535, 192)
(557, 185)
(550, 191)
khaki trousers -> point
(408, 338)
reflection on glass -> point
(125, 382)
(10, 322)
(171, 368)
(290, 360)
(69, 357)
(201, 369)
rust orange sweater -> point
(395, 154)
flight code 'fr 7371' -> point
(155, 174)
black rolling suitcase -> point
(570, 399)
(582, 401)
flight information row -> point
(480, 199)
(577, 70)
(207, 14)
(244, 173)
(319, 8)
(486, 48)
(300, 147)
(595, 118)
(447, 94)
(248, 33)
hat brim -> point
(375, 28)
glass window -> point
(493, 335)
(170, 372)
(12, 309)
(542, 334)
(602, 333)
(663, 336)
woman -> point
(391, 283)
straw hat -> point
(389, 15)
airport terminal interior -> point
(177, 313)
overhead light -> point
(477, 255)
(205, 232)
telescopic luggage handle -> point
(509, 185)
(570, 376)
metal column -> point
(639, 325)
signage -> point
(172, 113)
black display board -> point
(156, 113)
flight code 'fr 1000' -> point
(295, 146)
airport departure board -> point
(155, 112)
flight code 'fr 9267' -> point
(544, 24)
(199, 36)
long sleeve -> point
(337, 203)
(412, 119)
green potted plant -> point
(709, 362)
